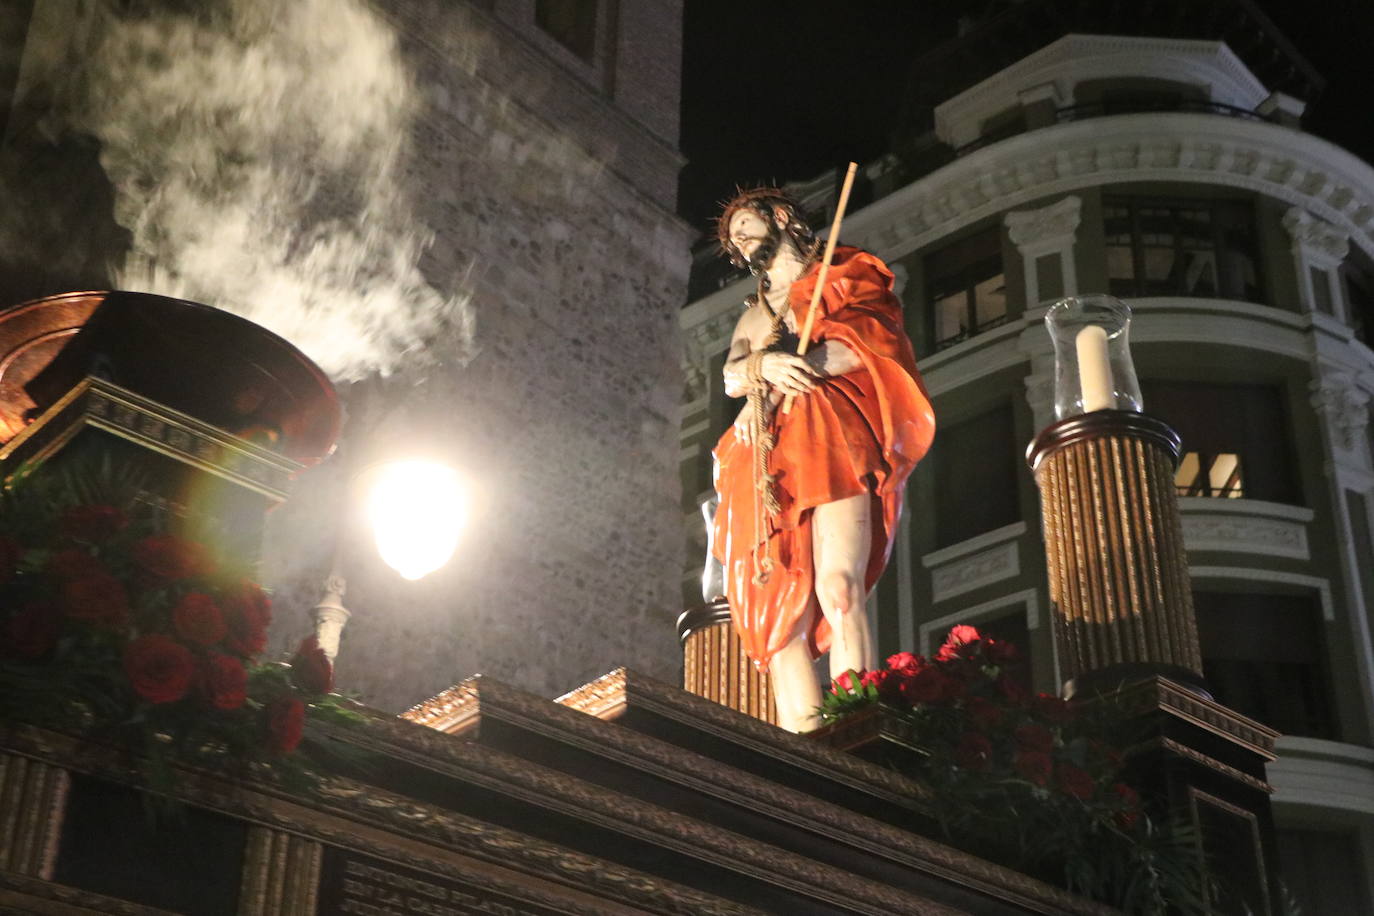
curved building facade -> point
(1163, 171)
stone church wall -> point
(549, 189)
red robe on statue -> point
(859, 432)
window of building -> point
(1359, 299)
(1198, 248)
(571, 22)
(1201, 474)
(976, 466)
(1263, 655)
(965, 287)
(1325, 870)
(1236, 440)
(1321, 290)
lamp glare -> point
(418, 509)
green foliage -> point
(1031, 781)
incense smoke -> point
(256, 151)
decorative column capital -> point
(1344, 406)
(1052, 228)
(1316, 239)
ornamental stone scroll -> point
(1344, 407)
(1318, 250)
(1050, 230)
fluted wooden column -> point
(715, 665)
(32, 802)
(1118, 573)
(281, 873)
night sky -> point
(783, 91)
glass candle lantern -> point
(1092, 356)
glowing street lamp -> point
(417, 510)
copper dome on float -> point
(211, 364)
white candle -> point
(1094, 369)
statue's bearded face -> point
(755, 238)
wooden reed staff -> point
(825, 269)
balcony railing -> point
(967, 333)
(1146, 105)
(1103, 109)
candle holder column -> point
(714, 663)
(1118, 573)
(1123, 616)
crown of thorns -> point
(761, 200)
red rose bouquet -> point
(1028, 779)
(116, 629)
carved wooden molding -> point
(1183, 750)
(1163, 694)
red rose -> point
(954, 689)
(74, 563)
(974, 751)
(92, 524)
(893, 684)
(1073, 781)
(197, 619)
(224, 682)
(905, 661)
(311, 669)
(32, 633)
(1051, 708)
(961, 634)
(927, 686)
(847, 682)
(1130, 805)
(10, 553)
(959, 637)
(1000, 652)
(1011, 688)
(984, 714)
(159, 668)
(1033, 766)
(97, 598)
(246, 638)
(169, 558)
(285, 720)
(247, 611)
(874, 679)
(1033, 738)
(252, 601)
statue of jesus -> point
(810, 496)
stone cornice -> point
(1279, 162)
(1077, 58)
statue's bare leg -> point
(795, 690)
(842, 535)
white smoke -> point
(256, 150)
